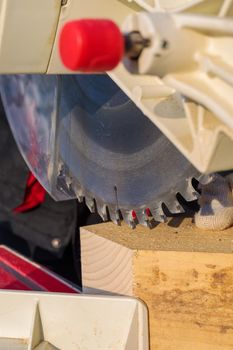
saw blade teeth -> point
(118, 217)
(90, 202)
(115, 215)
(78, 191)
(102, 210)
(151, 224)
(195, 195)
(189, 193)
(129, 218)
(158, 214)
(180, 209)
(192, 188)
(174, 207)
(132, 224)
(163, 218)
(142, 217)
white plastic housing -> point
(190, 97)
(37, 321)
(27, 32)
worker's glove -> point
(216, 203)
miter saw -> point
(128, 141)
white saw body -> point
(182, 81)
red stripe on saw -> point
(134, 215)
(36, 277)
(9, 281)
(34, 195)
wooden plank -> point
(184, 275)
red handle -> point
(91, 45)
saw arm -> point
(88, 137)
(188, 64)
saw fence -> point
(185, 276)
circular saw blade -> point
(109, 152)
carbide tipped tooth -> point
(65, 186)
(68, 181)
(158, 214)
(103, 217)
(132, 224)
(180, 209)
(102, 210)
(189, 194)
(79, 193)
(174, 207)
(163, 218)
(103, 213)
(152, 224)
(143, 218)
(61, 169)
(90, 204)
(115, 216)
(149, 223)
(118, 217)
(80, 199)
(129, 218)
(195, 195)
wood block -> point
(185, 276)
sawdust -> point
(166, 237)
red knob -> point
(91, 45)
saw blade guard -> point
(33, 108)
(30, 103)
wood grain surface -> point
(185, 276)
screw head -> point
(56, 243)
